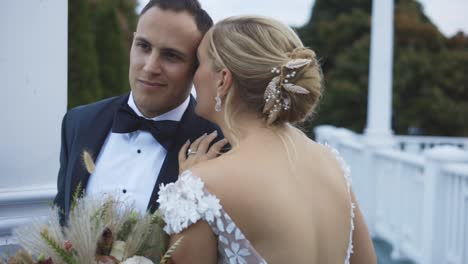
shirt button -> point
(139, 151)
(124, 190)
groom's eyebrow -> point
(138, 38)
(174, 51)
(164, 49)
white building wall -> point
(33, 88)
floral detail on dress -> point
(187, 200)
(231, 226)
(219, 225)
(184, 202)
(236, 254)
(239, 235)
(223, 239)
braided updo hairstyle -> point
(250, 47)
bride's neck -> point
(246, 127)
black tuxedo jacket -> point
(86, 128)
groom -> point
(135, 138)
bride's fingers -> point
(194, 146)
(205, 143)
(183, 152)
(215, 150)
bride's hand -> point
(200, 150)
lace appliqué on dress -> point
(184, 202)
(347, 175)
(232, 244)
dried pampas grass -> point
(89, 162)
(30, 238)
(93, 227)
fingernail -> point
(215, 133)
(188, 141)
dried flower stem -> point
(167, 257)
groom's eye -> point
(143, 45)
(172, 56)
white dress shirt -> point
(128, 164)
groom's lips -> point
(151, 85)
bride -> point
(277, 196)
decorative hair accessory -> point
(277, 92)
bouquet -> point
(101, 230)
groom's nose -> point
(153, 63)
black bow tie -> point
(127, 121)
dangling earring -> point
(218, 103)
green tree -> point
(111, 49)
(428, 76)
(83, 79)
(429, 86)
(105, 30)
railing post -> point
(412, 147)
(370, 210)
(373, 143)
(434, 183)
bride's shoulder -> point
(220, 176)
(197, 194)
(212, 171)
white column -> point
(33, 81)
(379, 109)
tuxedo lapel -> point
(95, 132)
(168, 173)
(191, 127)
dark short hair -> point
(193, 7)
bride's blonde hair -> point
(250, 47)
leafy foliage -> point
(83, 81)
(429, 80)
(100, 35)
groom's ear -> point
(224, 82)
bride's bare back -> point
(287, 194)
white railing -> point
(418, 202)
(399, 199)
(416, 144)
(20, 206)
(455, 204)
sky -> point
(449, 15)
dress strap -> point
(347, 175)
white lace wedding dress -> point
(187, 201)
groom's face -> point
(162, 60)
